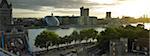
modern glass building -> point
(52, 21)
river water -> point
(32, 33)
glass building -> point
(52, 21)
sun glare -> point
(103, 1)
(134, 8)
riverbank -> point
(81, 26)
(68, 26)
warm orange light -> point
(134, 8)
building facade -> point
(108, 15)
(84, 16)
(52, 21)
(13, 37)
(5, 15)
(83, 19)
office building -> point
(52, 21)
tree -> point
(57, 42)
(93, 33)
(67, 39)
(83, 35)
(87, 34)
(129, 32)
(46, 39)
(62, 40)
(74, 36)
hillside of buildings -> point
(136, 20)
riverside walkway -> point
(71, 50)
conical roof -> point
(3, 2)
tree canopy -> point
(45, 39)
(130, 32)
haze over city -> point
(41, 8)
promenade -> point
(72, 50)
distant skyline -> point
(41, 8)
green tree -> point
(75, 36)
(129, 32)
(83, 35)
(57, 42)
(45, 39)
(87, 34)
(62, 40)
(93, 33)
(67, 39)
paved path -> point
(67, 52)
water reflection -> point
(147, 26)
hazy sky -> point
(41, 8)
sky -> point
(42, 8)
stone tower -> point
(84, 16)
(108, 15)
(5, 15)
